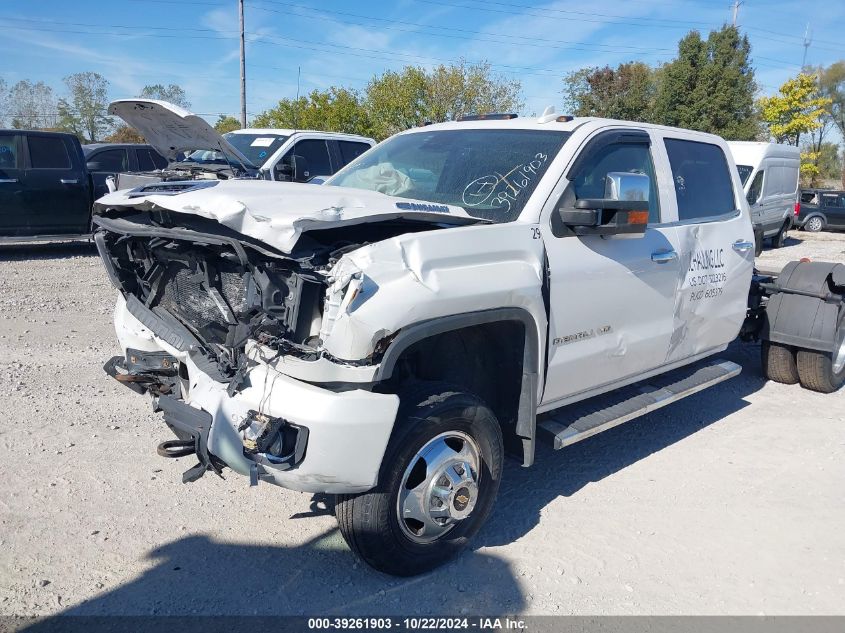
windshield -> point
(256, 147)
(490, 173)
(744, 172)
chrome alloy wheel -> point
(439, 487)
(839, 351)
(814, 224)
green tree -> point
(396, 101)
(84, 112)
(830, 162)
(464, 88)
(796, 110)
(710, 86)
(332, 110)
(226, 123)
(171, 93)
(832, 86)
(625, 92)
(31, 106)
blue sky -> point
(194, 42)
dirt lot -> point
(730, 502)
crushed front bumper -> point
(347, 431)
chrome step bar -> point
(581, 420)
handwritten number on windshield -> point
(503, 189)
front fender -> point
(422, 276)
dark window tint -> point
(112, 160)
(349, 150)
(8, 152)
(832, 200)
(591, 180)
(48, 152)
(808, 197)
(702, 180)
(316, 152)
(744, 172)
(148, 160)
(755, 189)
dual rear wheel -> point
(818, 371)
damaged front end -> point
(224, 307)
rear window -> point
(48, 152)
(8, 152)
(702, 179)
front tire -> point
(780, 239)
(438, 481)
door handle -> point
(69, 181)
(663, 257)
(741, 246)
(8, 180)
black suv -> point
(821, 209)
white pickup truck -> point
(459, 292)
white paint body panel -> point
(654, 324)
(277, 213)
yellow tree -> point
(798, 109)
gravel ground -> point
(729, 502)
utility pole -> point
(808, 39)
(243, 65)
(736, 10)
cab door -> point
(716, 248)
(611, 298)
(12, 210)
(55, 187)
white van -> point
(769, 174)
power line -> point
(526, 41)
(623, 19)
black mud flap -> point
(805, 307)
(191, 426)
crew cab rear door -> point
(716, 245)
(611, 298)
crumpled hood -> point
(277, 213)
(171, 129)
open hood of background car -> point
(277, 213)
(171, 129)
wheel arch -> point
(816, 214)
(482, 324)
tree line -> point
(709, 86)
(81, 110)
